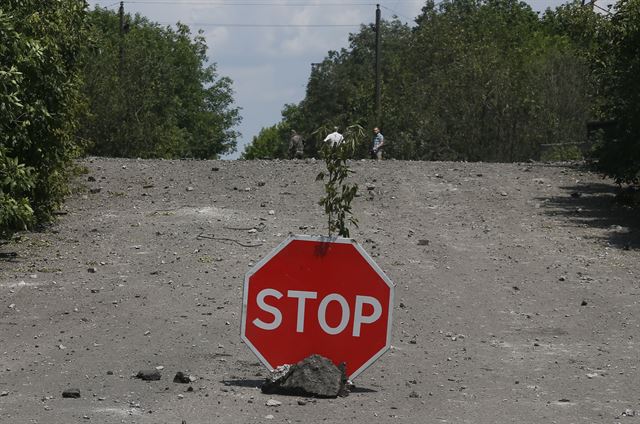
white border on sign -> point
(324, 239)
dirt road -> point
(522, 307)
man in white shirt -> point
(335, 138)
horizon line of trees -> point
(483, 80)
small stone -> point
(273, 402)
(504, 194)
(562, 278)
(592, 375)
(12, 306)
(3, 394)
(109, 372)
(584, 303)
(180, 396)
(146, 333)
(268, 417)
(189, 188)
(414, 394)
(71, 394)
(261, 183)
(302, 402)
(629, 413)
(215, 168)
(95, 190)
(149, 375)
(272, 212)
(92, 270)
(423, 242)
(182, 378)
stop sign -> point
(317, 295)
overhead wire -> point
(296, 3)
(267, 25)
(252, 4)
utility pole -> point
(121, 14)
(377, 102)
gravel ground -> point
(522, 307)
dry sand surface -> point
(517, 297)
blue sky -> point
(267, 46)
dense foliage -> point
(64, 90)
(619, 154)
(160, 99)
(40, 105)
(480, 80)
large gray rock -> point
(149, 375)
(314, 376)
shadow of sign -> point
(257, 383)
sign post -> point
(317, 295)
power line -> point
(252, 4)
(395, 13)
(256, 3)
(267, 25)
(601, 8)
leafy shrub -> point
(40, 105)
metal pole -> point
(121, 13)
(378, 73)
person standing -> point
(376, 144)
(296, 146)
(335, 138)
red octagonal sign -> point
(317, 295)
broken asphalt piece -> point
(182, 378)
(314, 376)
(71, 394)
(148, 375)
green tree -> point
(473, 80)
(40, 106)
(269, 144)
(619, 155)
(162, 100)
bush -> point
(40, 105)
